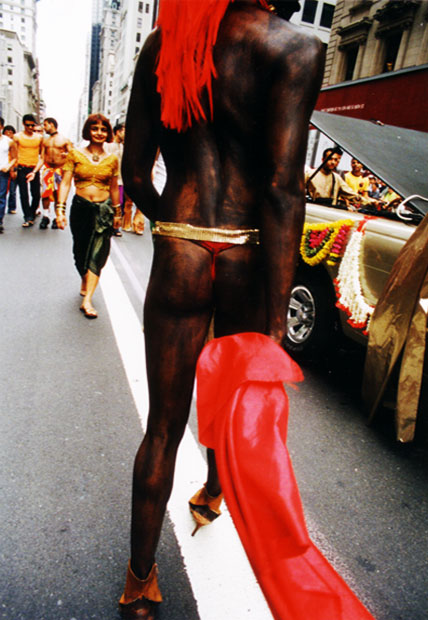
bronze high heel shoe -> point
(204, 508)
(140, 597)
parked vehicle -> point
(318, 310)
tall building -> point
(377, 62)
(94, 67)
(119, 29)
(19, 80)
(137, 21)
(20, 16)
(109, 39)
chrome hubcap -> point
(301, 314)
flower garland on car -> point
(348, 283)
(324, 241)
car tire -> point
(312, 322)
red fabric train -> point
(243, 415)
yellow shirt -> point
(359, 184)
(86, 173)
(28, 149)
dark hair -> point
(332, 149)
(118, 127)
(52, 120)
(29, 117)
(1, 121)
(9, 128)
(92, 120)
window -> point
(10, 72)
(327, 15)
(392, 45)
(351, 59)
(138, 37)
(9, 59)
(147, 8)
(140, 7)
(139, 22)
(309, 11)
(137, 49)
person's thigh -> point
(239, 291)
(177, 314)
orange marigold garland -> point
(324, 241)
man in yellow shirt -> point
(29, 148)
(356, 180)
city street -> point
(74, 402)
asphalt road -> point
(70, 429)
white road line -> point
(222, 580)
(128, 269)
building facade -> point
(377, 62)
(20, 16)
(315, 16)
(19, 78)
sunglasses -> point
(30, 124)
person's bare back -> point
(217, 170)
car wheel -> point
(311, 319)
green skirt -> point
(91, 225)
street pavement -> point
(72, 411)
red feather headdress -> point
(185, 65)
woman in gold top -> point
(95, 209)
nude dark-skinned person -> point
(226, 238)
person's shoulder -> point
(290, 41)
(61, 139)
(150, 50)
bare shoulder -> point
(149, 52)
(296, 51)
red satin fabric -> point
(243, 415)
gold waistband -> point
(200, 233)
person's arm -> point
(63, 192)
(292, 98)
(115, 197)
(141, 141)
(12, 157)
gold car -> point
(319, 310)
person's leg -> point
(23, 192)
(35, 195)
(11, 201)
(138, 222)
(127, 213)
(46, 202)
(4, 180)
(240, 307)
(89, 284)
(176, 320)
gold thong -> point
(200, 233)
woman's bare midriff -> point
(93, 193)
